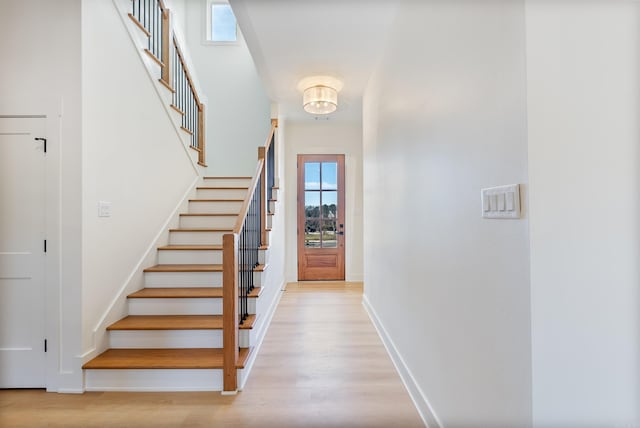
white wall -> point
(326, 137)
(40, 74)
(584, 103)
(133, 157)
(238, 110)
(445, 116)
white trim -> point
(51, 109)
(418, 397)
(153, 380)
(70, 391)
(260, 336)
(206, 28)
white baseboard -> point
(415, 392)
(260, 337)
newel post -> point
(230, 311)
(166, 29)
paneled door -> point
(22, 252)
(320, 217)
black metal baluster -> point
(152, 25)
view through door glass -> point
(321, 204)
(321, 217)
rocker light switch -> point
(503, 202)
(510, 201)
(104, 209)
(500, 201)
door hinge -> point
(45, 345)
(45, 245)
(44, 140)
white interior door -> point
(22, 262)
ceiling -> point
(293, 39)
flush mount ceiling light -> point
(320, 94)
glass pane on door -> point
(312, 204)
(312, 176)
(329, 204)
(329, 237)
(329, 176)
(312, 236)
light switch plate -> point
(503, 202)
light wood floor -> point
(322, 364)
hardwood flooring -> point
(322, 364)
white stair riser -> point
(221, 193)
(258, 278)
(274, 194)
(175, 306)
(272, 206)
(183, 279)
(154, 380)
(180, 306)
(226, 182)
(217, 207)
(269, 221)
(190, 279)
(196, 238)
(176, 257)
(156, 339)
(212, 222)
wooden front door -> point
(320, 217)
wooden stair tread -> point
(185, 293)
(193, 268)
(175, 322)
(191, 248)
(185, 268)
(186, 358)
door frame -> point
(341, 219)
(42, 264)
(60, 363)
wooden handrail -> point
(247, 200)
(274, 125)
(186, 71)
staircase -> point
(197, 321)
(175, 322)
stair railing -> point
(240, 256)
(186, 101)
(153, 18)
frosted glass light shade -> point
(320, 99)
